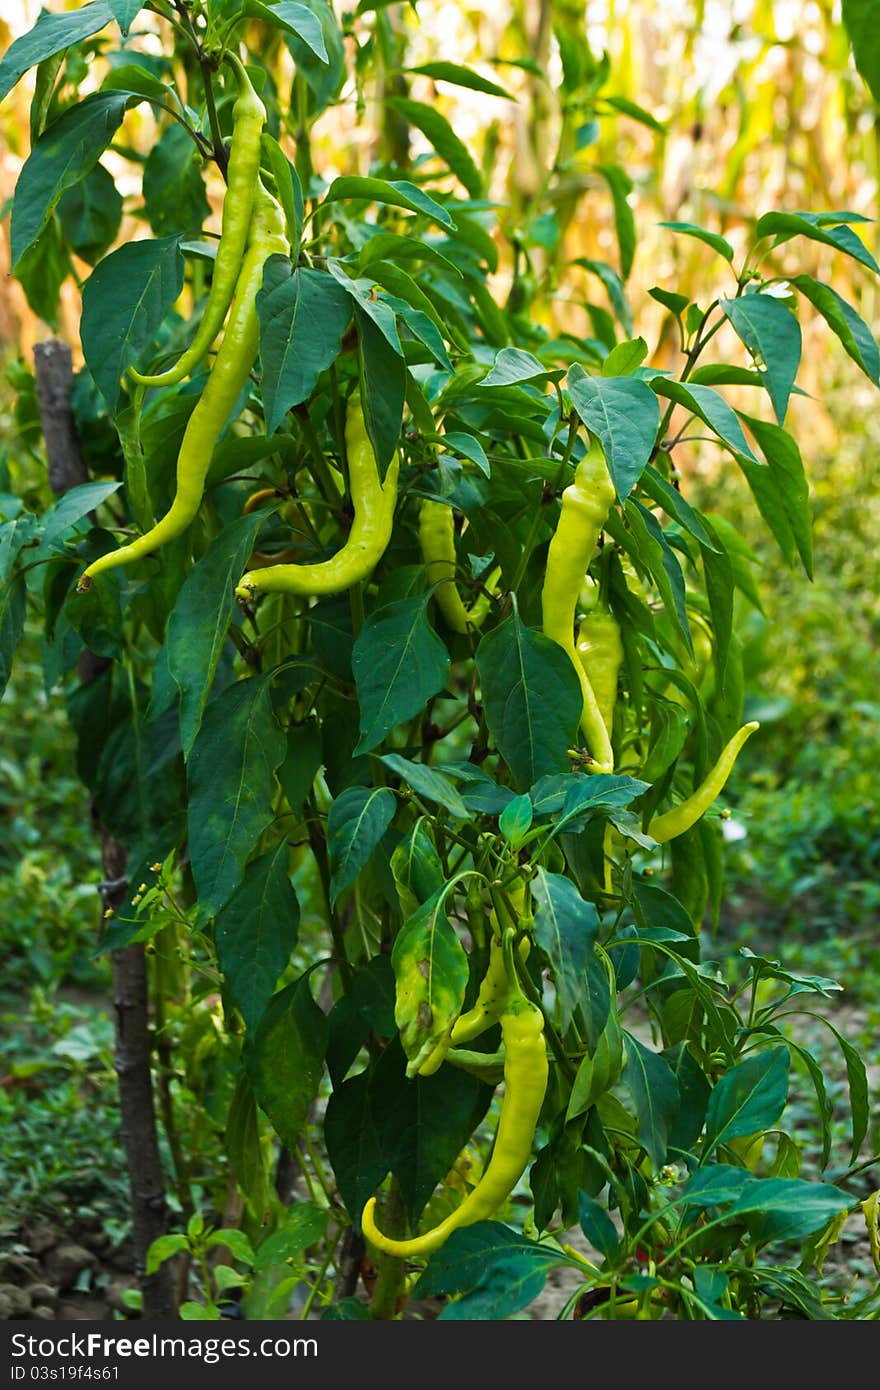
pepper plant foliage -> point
(326, 801)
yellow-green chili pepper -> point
(601, 654)
(232, 365)
(373, 503)
(525, 1081)
(689, 811)
(248, 119)
(437, 542)
(585, 506)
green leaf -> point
(436, 129)
(90, 214)
(431, 969)
(772, 335)
(565, 928)
(515, 820)
(531, 699)
(12, 615)
(287, 1058)
(256, 931)
(297, 19)
(417, 869)
(301, 762)
(429, 782)
(383, 373)
(624, 414)
(623, 359)
(357, 821)
(125, 12)
(398, 662)
(125, 300)
(231, 787)
(718, 243)
(781, 490)
(497, 1271)
(163, 1248)
(51, 34)
(632, 109)
(620, 186)
(749, 1097)
(672, 502)
(242, 1140)
(62, 156)
(398, 194)
(461, 77)
(42, 271)
(59, 519)
(652, 1086)
(513, 365)
(658, 556)
(174, 192)
(354, 1143)
(200, 620)
(614, 288)
(304, 1226)
(855, 335)
(709, 407)
(289, 190)
(819, 227)
(303, 317)
(860, 19)
(598, 1227)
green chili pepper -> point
(689, 811)
(248, 118)
(232, 365)
(601, 654)
(373, 503)
(585, 506)
(437, 541)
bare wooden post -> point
(54, 375)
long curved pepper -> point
(525, 1081)
(585, 506)
(248, 119)
(688, 812)
(232, 365)
(437, 544)
(373, 503)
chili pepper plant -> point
(406, 682)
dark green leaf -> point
(256, 931)
(749, 1097)
(12, 613)
(781, 490)
(435, 127)
(174, 193)
(624, 413)
(513, 365)
(200, 619)
(297, 19)
(357, 821)
(90, 214)
(287, 1058)
(820, 227)
(461, 77)
(654, 1091)
(125, 300)
(62, 156)
(399, 194)
(709, 407)
(718, 243)
(51, 34)
(531, 699)
(399, 662)
(565, 928)
(773, 336)
(842, 319)
(384, 384)
(598, 1227)
(303, 316)
(497, 1270)
(231, 781)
